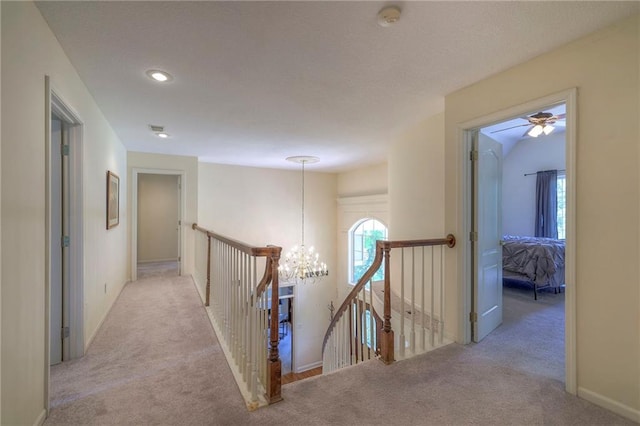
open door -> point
(487, 225)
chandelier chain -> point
(303, 202)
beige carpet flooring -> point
(156, 361)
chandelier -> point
(302, 264)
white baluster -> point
(413, 301)
(432, 312)
(441, 323)
(423, 306)
(402, 309)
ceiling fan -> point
(539, 123)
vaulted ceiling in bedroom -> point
(510, 132)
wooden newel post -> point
(386, 344)
(274, 365)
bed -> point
(538, 262)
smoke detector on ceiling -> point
(388, 16)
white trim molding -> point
(134, 213)
(364, 199)
(608, 403)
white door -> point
(487, 251)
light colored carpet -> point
(169, 268)
(156, 361)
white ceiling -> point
(256, 82)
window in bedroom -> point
(362, 248)
(561, 209)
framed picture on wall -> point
(113, 198)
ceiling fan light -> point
(548, 129)
(535, 131)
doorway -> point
(481, 283)
(285, 330)
(157, 231)
(64, 300)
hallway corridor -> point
(155, 360)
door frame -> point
(465, 191)
(134, 214)
(55, 104)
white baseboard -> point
(197, 284)
(309, 366)
(172, 259)
(609, 404)
(41, 418)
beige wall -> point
(416, 173)
(371, 180)
(263, 206)
(29, 52)
(605, 69)
(158, 210)
(159, 164)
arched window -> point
(362, 248)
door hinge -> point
(180, 222)
(66, 241)
(64, 333)
(473, 236)
(64, 149)
(473, 155)
(179, 259)
(473, 316)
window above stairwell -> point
(362, 248)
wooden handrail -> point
(270, 278)
(239, 245)
(377, 261)
(383, 249)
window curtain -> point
(546, 204)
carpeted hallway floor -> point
(156, 361)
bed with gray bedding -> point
(536, 261)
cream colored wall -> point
(0, 229)
(416, 173)
(158, 209)
(29, 51)
(605, 69)
(371, 180)
(177, 164)
(263, 206)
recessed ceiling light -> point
(159, 76)
(159, 131)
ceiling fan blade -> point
(508, 128)
(560, 116)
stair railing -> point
(356, 332)
(243, 310)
